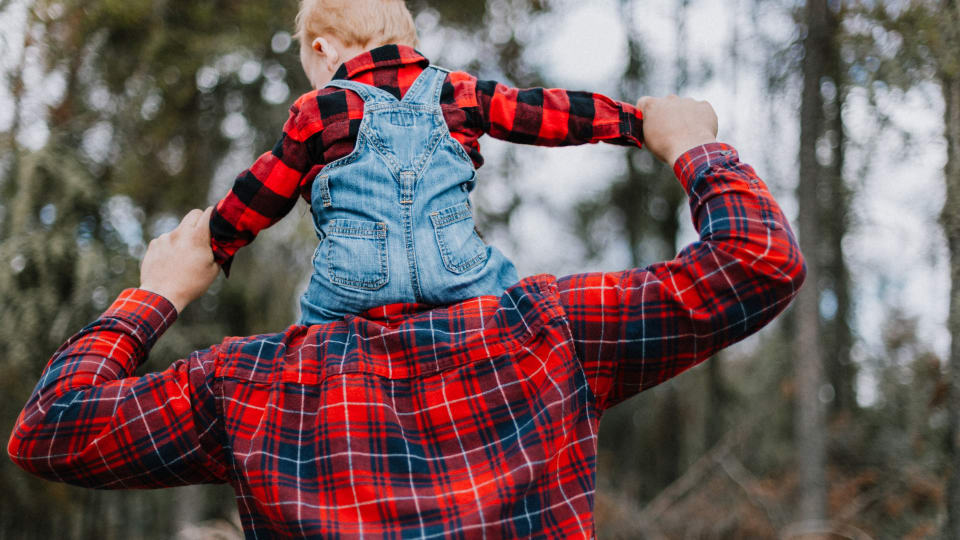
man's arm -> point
(555, 117)
(90, 423)
(637, 328)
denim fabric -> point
(394, 217)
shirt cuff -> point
(225, 266)
(148, 313)
(695, 162)
(631, 125)
(222, 258)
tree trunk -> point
(718, 400)
(189, 507)
(839, 368)
(951, 225)
(809, 423)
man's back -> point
(460, 420)
(477, 419)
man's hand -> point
(673, 125)
(179, 264)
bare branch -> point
(745, 480)
(695, 473)
(818, 529)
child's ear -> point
(330, 54)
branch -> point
(744, 478)
(817, 529)
(864, 500)
(694, 474)
(628, 519)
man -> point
(472, 420)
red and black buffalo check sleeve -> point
(261, 195)
(556, 117)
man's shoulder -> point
(396, 340)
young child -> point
(385, 151)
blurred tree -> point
(924, 37)
(131, 100)
(835, 207)
(825, 90)
(947, 50)
(820, 24)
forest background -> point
(839, 420)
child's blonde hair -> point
(357, 23)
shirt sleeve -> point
(556, 117)
(263, 194)
(638, 328)
(90, 423)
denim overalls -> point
(394, 217)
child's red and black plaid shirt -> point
(323, 127)
(473, 420)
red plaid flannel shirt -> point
(474, 419)
(323, 127)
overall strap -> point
(365, 91)
(426, 89)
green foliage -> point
(134, 141)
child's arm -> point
(556, 117)
(263, 194)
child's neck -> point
(349, 53)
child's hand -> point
(179, 265)
(673, 125)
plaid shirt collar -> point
(394, 56)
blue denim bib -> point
(394, 217)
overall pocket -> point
(460, 247)
(357, 254)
